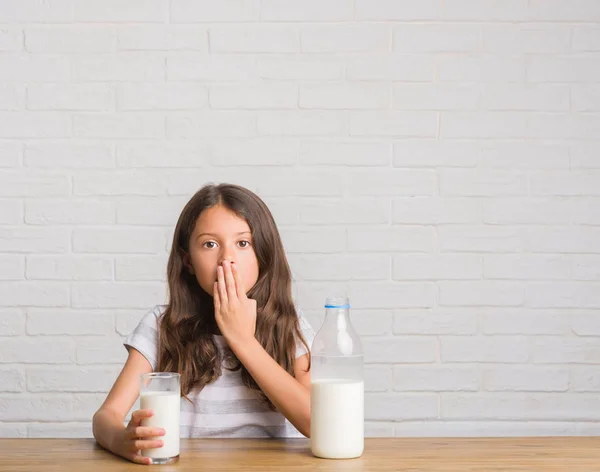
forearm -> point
(290, 397)
(108, 430)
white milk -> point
(166, 415)
(337, 418)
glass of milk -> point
(160, 392)
(337, 386)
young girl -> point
(230, 329)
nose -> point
(226, 255)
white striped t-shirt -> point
(226, 407)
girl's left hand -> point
(235, 313)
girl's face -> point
(220, 235)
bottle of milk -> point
(337, 386)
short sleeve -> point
(144, 338)
(307, 332)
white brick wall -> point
(439, 161)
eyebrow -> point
(216, 235)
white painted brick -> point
(10, 153)
(471, 429)
(393, 295)
(308, 10)
(484, 10)
(73, 211)
(505, 349)
(526, 266)
(34, 125)
(344, 153)
(171, 96)
(435, 321)
(399, 10)
(555, 10)
(375, 429)
(69, 154)
(586, 38)
(62, 267)
(312, 295)
(59, 322)
(302, 123)
(586, 323)
(401, 67)
(101, 350)
(70, 39)
(526, 39)
(398, 124)
(34, 294)
(471, 238)
(585, 97)
(582, 67)
(585, 154)
(11, 381)
(301, 182)
(563, 350)
(586, 428)
(567, 183)
(254, 97)
(525, 379)
(161, 38)
(203, 67)
(115, 125)
(211, 124)
(441, 38)
(124, 66)
(563, 126)
(11, 39)
(430, 378)
(196, 11)
(71, 379)
(149, 211)
(12, 322)
(435, 210)
(60, 430)
(44, 408)
(253, 39)
(435, 153)
(164, 154)
(28, 68)
(185, 183)
(564, 295)
(286, 67)
(481, 293)
(585, 379)
(254, 152)
(127, 320)
(520, 406)
(32, 11)
(346, 38)
(391, 239)
(443, 96)
(12, 267)
(344, 96)
(340, 267)
(568, 239)
(12, 97)
(380, 406)
(531, 211)
(42, 350)
(112, 11)
(117, 240)
(497, 125)
(481, 68)
(325, 240)
(37, 240)
(141, 268)
(117, 295)
(135, 182)
(372, 322)
(525, 321)
(11, 212)
(392, 182)
(586, 267)
(93, 97)
(398, 349)
(585, 211)
(524, 155)
(538, 97)
(437, 267)
(378, 378)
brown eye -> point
(244, 244)
(209, 244)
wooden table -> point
(382, 454)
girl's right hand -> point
(136, 438)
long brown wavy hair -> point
(185, 343)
